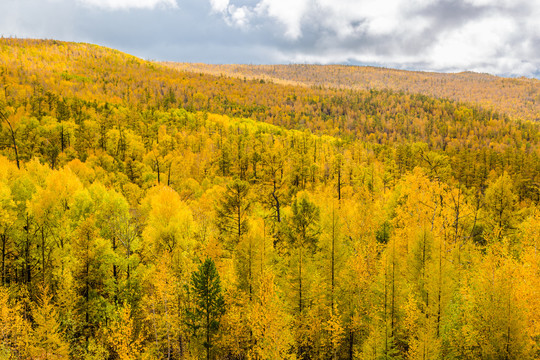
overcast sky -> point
(494, 36)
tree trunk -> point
(115, 273)
(87, 287)
(333, 258)
(393, 286)
(300, 280)
(28, 268)
(207, 333)
(62, 137)
(385, 304)
(158, 172)
(351, 344)
(278, 213)
(12, 132)
(43, 254)
(169, 175)
(4, 241)
(339, 182)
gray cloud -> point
(443, 35)
(496, 36)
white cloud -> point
(474, 42)
(289, 13)
(480, 35)
(237, 16)
(129, 4)
(380, 17)
(219, 6)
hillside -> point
(518, 98)
(152, 213)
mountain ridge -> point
(516, 97)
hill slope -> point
(150, 213)
(33, 68)
(518, 98)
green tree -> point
(500, 203)
(209, 304)
(303, 233)
(233, 210)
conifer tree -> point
(14, 329)
(209, 304)
(233, 209)
(48, 341)
(303, 234)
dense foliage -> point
(517, 97)
(155, 214)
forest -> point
(517, 97)
(149, 212)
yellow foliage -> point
(170, 221)
(122, 337)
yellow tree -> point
(528, 277)
(11, 118)
(122, 336)
(500, 204)
(170, 222)
(8, 216)
(169, 238)
(14, 329)
(488, 315)
(49, 207)
(303, 227)
(366, 231)
(47, 338)
(270, 324)
(162, 321)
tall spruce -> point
(208, 302)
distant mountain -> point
(516, 97)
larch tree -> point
(47, 338)
(11, 120)
(122, 335)
(303, 234)
(15, 330)
(8, 216)
(500, 203)
(270, 324)
(232, 211)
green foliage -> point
(233, 209)
(304, 223)
(208, 302)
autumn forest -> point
(173, 211)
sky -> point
(499, 37)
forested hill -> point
(516, 97)
(151, 213)
(36, 68)
(64, 78)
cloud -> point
(290, 13)
(498, 36)
(495, 36)
(128, 4)
(219, 6)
